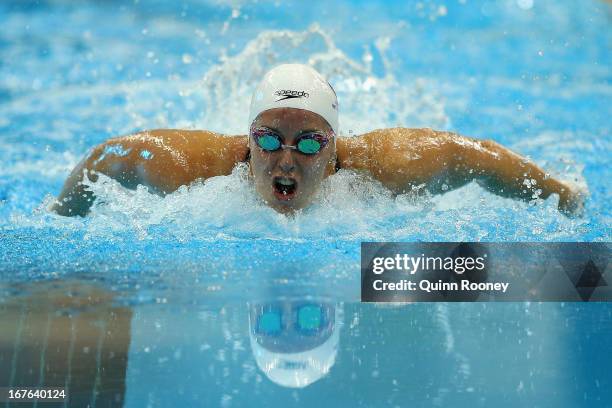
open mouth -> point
(285, 188)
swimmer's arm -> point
(162, 160)
(412, 159)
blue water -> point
(532, 75)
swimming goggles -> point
(307, 143)
(307, 319)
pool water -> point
(176, 278)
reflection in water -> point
(279, 345)
(69, 335)
(294, 342)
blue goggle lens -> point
(268, 142)
(310, 318)
(269, 323)
(309, 146)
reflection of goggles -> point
(307, 319)
(292, 326)
(308, 143)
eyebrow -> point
(300, 133)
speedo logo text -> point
(289, 94)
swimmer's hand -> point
(571, 201)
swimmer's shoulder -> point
(182, 139)
(359, 151)
(402, 134)
(180, 155)
(192, 144)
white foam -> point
(349, 206)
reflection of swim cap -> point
(301, 368)
(296, 86)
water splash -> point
(229, 208)
(367, 101)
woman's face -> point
(287, 179)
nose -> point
(286, 163)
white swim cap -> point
(295, 86)
(302, 368)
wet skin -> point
(302, 172)
(404, 160)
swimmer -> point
(293, 145)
